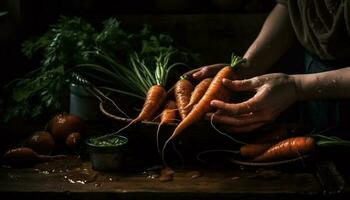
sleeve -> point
(284, 2)
(347, 15)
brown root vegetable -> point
(288, 148)
(183, 90)
(25, 157)
(64, 124)
(41, 142)
(73, 140)
(254, 150)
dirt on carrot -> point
(183, 90)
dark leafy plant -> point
(43, 89)
(73, 45)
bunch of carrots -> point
(192, 102)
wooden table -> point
(73, 178)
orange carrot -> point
(216, 90)
(155, 97)
(198, 92)
(288, 148)
(183, 90)
(169, 113)
(254, 150)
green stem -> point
(333, 143)
(123, 92)
(236, 60)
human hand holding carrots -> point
(207, 71)
(274, 93)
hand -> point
(205, 71)
(274, 93)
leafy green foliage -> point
(112, 57)
(61, 48)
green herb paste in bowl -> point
(107, 153)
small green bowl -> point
(107, 154)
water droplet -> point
(153, 176)
(14, 177)
(97, 184)
(45, 172)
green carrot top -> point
(236, 60)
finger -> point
(237, 108)
(223, 112)
(241, 85)
(207, 71)
(237, 122)
(247, 128)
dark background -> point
(212, 28)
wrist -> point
(298, 81)
(306, 86)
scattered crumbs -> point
(166, 174)
(97, 184)
(195, 174)
(153, 176)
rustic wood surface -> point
(74, 178)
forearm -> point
(324, 85)
(274, 39)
